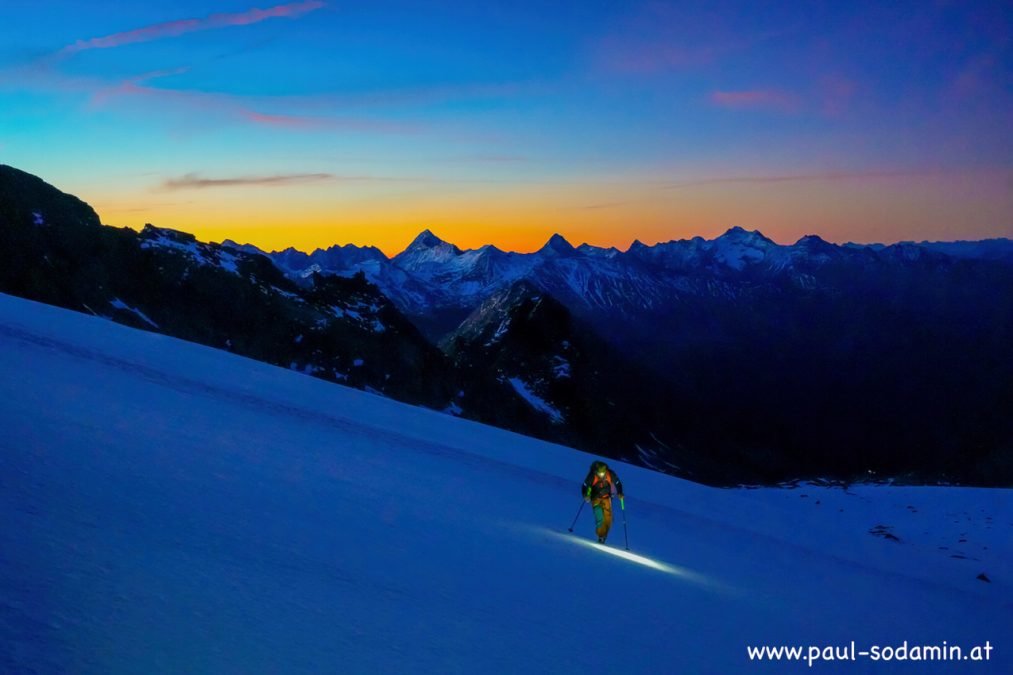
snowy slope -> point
(169, 508)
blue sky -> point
(314, 122)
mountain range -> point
(728, 360)
(437, 284)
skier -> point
(597, 489)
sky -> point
(318, 122)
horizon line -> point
(577, 247)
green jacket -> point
(597, 487)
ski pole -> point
(626, 530)
(578, 515)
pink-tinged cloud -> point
(183, 26)
(653, 38)
(238, 107)
(283, 121)
(324, 123)
(133, 85)
(805, 177)
(756, 99)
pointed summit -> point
(557, 245)
(425, 249)
(426, 239)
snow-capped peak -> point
(738, 247)
(558, 245)
(742, 235)
(597, 251)
(425, 250)
(425, 240)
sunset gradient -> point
(314, 123)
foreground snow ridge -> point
(170, 508)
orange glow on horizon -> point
(933, 207)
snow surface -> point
(560, 367)
(163, 240)
(119, 304)
(228, 261)
(171, 508)
(535, 401)
(202, 254)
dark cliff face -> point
(570, 384)
(525, 343)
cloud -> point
(134, 85)
(758, 99)
(637, 54)
(801, 177)
(656, 37)
(233, 106)
(183, 26)
(193, 181)
(325, 123)
(300, 112)
(284, 121)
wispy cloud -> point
(133, 85)
(240, 107)
(284, 121)
(193, 181)
(485, 158)
(170, 29)
(326, 123)
(756, 99)
(298, 112)
(801, 177)
(657, 37)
